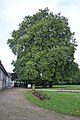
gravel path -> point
(13, 106)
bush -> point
(40, 95)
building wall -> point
(9, 82)
(2, 79)
(0, 84)
(5, 79)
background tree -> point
(44, 46)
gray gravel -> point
(14, 106)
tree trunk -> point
(50, 84)
(44, 84)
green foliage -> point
(43, 44)
(72, 73)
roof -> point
(3, 69)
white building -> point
(5, 80)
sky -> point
(12, 13)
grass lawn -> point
(66, 87)
(63, 102)
(73, 87)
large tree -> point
(44, 46)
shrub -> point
(41, 95)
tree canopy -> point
(44, 46)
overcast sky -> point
(12, 13)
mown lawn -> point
(63, 102)
(69, 87)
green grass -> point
(74, 87)
(63, 102)
(66, 87)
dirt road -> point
(14, 106)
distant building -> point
(5, 80)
